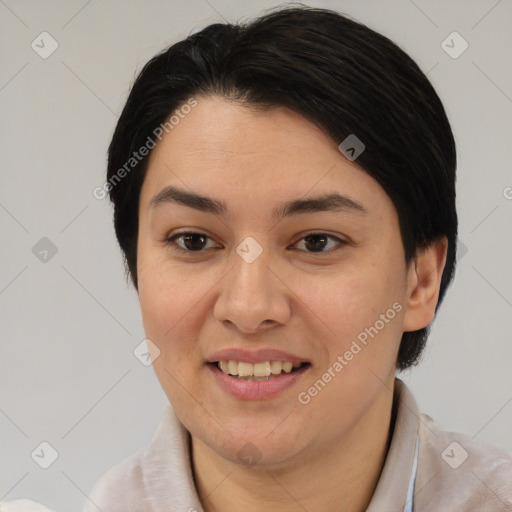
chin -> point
(260, 448)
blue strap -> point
(409, 498)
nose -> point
(253, 296)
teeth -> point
(232, 368)
(262, 369)
(287, 367)
(245, 369)
(276, 367)
(265, 369)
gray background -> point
(70, 324)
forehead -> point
(226, 132)
(227, 150)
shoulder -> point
(120, 488)
(22, 505)
(458, 472)
(158, 474)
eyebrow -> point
(325, 203)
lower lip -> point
(256, 390)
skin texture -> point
(325, 455)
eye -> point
(190, 241)
(318, 241)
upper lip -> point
(254, 356)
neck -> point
(340, 477)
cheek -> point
(176, 303)
(167, 299)
(166, 291)
(353, 299)
(363, 308)
(170, 307)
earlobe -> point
(423, 282)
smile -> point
(256, 381)
(258, 371)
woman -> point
(284, 197)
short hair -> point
(335, 72)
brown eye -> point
(194, 241)
(317, 242)
(188, 242)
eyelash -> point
(170, 242)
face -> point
(296, 257)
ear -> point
(423, 282)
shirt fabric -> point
(426, 469)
